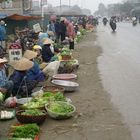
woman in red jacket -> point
(70, 33)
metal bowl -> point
(68, 85)
(58, 116)
(64, 76)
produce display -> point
(33, 112)
(39, 102)
(31, 116)
(68, 66)
(1, 96)
(29, 111)
(25, 131)
(65, 51)
(60, 108)
(7, 115)
(19, 139)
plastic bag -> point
(51, 68)
(10, 102)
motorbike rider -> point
(105, 20)
(113, 23)
(134, 21)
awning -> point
(22, 17)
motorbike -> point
(134, 23)
(113, 25)
(104, 22)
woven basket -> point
(66, 57)
(53, 89)
(30, 119)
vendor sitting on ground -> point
(21, 84)
(6, 85)
(47, 50)
(37, 49)
(34, 73)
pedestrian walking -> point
(70, 33)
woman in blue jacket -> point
(35, 72)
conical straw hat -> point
(37, 47)
(50, 33)
(47, 41)
(30, 54)
(23, 64)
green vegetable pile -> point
(34, 112)
(65, 51)
(60, 107)
(39, 102)
(57, 45)
(19, 139)
(25, 131)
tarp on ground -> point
(22, 17)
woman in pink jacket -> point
(70, 33)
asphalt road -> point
(119, 67)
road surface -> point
(119, 66)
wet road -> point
(119, 66)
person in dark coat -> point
(63, 29)
(47, 50)
(57, 30)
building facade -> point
(11, 7)
(15, 7)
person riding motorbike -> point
(134, 21)
(113, 24)
(105, 21)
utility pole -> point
(60, 7)
(69, 3)
(42, 13)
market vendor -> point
(33, 73)
(21, 84)
(6, 85)
(38, 49)
(41, 37)
(47, 50)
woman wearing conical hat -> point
(5, 84)
(19, 77)
(35, 72)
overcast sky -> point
(90, 4)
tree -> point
(102, 9)
(126, 8)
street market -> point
(33, 85)
(69, 70)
